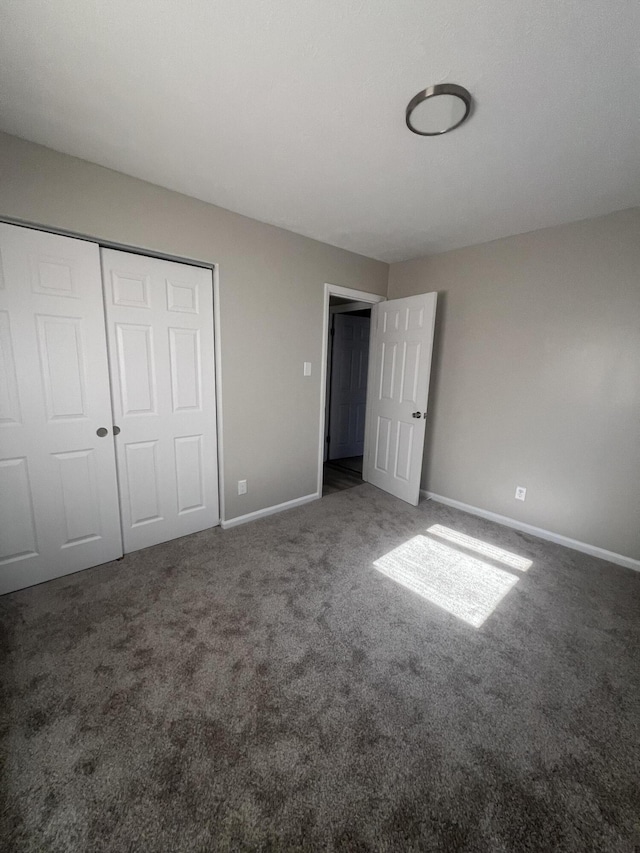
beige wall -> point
(271, 291)
(536, 377)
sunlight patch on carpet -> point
(513, 561)
(464, 586)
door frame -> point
(370, 300)
(217, 346)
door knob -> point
(101, 432)
(116, 430)
(416, 415)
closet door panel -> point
(160, 330)
(59, 507)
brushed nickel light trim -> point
(434, 92)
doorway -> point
(346, 339)
(346, 379)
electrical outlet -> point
(242, 487)
(521, 493)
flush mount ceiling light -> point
(438, 109)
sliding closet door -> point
(58, 494)
(160, 331)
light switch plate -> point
(307, 368)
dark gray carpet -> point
(266, 688)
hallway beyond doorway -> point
(342, 474)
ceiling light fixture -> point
(438, 109)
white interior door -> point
(349, 367)
(398, 394)
(58, 494)
(160, 331)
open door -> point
(402, 333)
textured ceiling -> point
(292, 111)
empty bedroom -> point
(319, 426)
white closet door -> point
(397, 401)
(58, 494)
(160, 331)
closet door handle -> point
(116, 430)
(416, 415)
(102, 431)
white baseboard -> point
(611, 556)
(268, 510)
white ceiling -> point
(292, 111)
